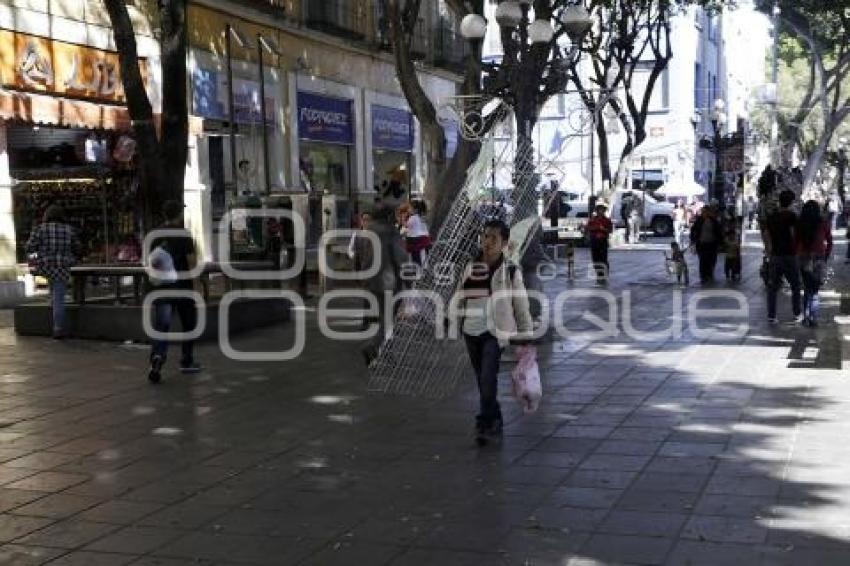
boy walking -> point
(173, 256)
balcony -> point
(337, 17)
(450, 49)
(276, 8)
(419, 46)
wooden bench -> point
(80, 274)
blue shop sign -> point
(392, 129)
(210, 93)
(206, 95)
(325, 119)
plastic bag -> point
(526, 379)
(163, 266)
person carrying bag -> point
(496, 312)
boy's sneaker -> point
(772, 320)
(155, 371)
(190, 367)
(799, 319)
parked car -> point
(657, 214)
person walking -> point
(636, 220)
(814, 246)
(780, 240)
(752, 208)
(56, 247)
(496, 311)
(626, 206)
(173, 256)
(599, 229)
(679, 222)
(706, 236)
(415, 231)
(389, 257)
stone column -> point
(11, 290)
(196, 196)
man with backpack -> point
(781, 247)
(172, 257)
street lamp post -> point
(718, 121)
(842, 168)
(230, 34)
(510, 78)
(265, 44)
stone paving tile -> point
(57, 506)
(627, 549)
(601, 478)
(236, 548)
(20, 555)
(13, 498)
(573, 519)
(724, 529)
(189, 514)
(627, 447)
(119, 512)
(660, 502)
(432, 557)
(134, 539)
(11, 475)
(735, 506)
(657, 481)
(48, 481)
(43, 460)
(348, 553)
(13, 527)
(70, 534)
(589, 497)
(614, 462)
(641, 523)
(704, 553)
(85, 558)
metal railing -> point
(338, 17)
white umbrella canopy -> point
(681, 188)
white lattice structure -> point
(413, 361)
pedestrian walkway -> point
(645, 450)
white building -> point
(680, 112)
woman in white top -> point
(415, 232)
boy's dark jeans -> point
(163, 313)
(485, 353)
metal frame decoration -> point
(413, 360)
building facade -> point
(338, 130)
(330, 131)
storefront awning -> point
(57, 111)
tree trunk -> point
(175, 109)
(814, 161)
(139, 108)
(451, 181)
(434, 143)
(525, 177)
(604, 156)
